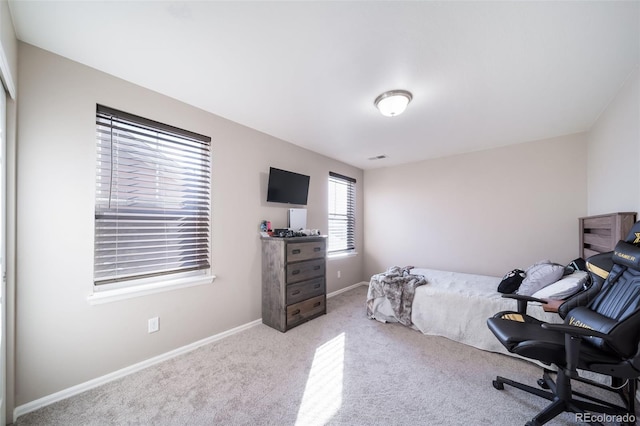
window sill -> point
(113, 295)
(336, 256)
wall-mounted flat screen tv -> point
(287, 187)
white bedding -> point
(456, 306)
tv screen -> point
(287, 187)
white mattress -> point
(456, 306)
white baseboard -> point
(342, 290)
(83, 387)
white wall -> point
(61, 339)
(485, 212)
(614, 153)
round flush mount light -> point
(393, 102)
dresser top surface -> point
(607, 214)
(296, 239)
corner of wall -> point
(613, 152)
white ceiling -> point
(483, 74)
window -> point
(342, 204)
(152, 206)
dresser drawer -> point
(302, 271)
(599, 222)
(305, 310)
(297, 252)
(304, 290)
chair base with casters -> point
(564, 399)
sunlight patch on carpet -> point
(323, 392)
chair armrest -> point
(522, 301)
(523, 297)
(572, 330)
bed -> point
(456, 306)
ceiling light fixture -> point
(393, 102)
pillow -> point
(511, 281)
(567, 286)
(540, 275)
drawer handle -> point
(295, 292)
(315, 268)
(317, 248)
(316, 286)
(295, 272)
(295, 251)
(296, 312)
(315, 305)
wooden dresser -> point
(601, 233)
(293, 280)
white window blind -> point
(342, 202)
(152, 207)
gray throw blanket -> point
(399, 287)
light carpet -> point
(338, 369)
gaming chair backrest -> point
(598, 266)
(633, 236)
(616, 309)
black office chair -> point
(602, 337)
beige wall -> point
(61, 339)
(484, 212)
(614, 153)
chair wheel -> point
(498, 385)
(543, 384)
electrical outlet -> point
(154, 324)
(339, 274)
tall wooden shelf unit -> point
(293, 280)
(601, 233)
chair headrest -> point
(633, 236)
(627, 254)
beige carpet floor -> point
(339, 369)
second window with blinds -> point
(342, 206)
